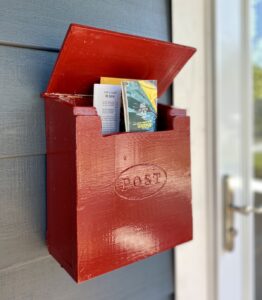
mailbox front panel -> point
(133, 195)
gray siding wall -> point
(31, 33)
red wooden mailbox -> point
(113, 200)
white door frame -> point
(195, 261)
(203, 270)
(234, 134)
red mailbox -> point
(116, 199)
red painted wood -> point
(112, 200)
(134, 196)
(61, 183)
(89, 53)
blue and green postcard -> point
(140, 104)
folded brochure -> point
(107, 100)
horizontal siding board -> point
(22, 134)
(45, 279)
(22, 209)
(24, 74)
(44, 23)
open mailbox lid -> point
(89, 53)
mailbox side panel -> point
(134, 195)
(61, 183)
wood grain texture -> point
(45, 23)
(45, 279)
(137, 215)
(96, 221)
(23, 76)
(61, 172)
(22, 209)
(89, 53)
(21, 134)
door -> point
(217, 90)
(233, 104)
(256, 55)
(239, 119)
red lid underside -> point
(89, 53)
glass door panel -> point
(257, 147)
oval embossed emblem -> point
(140, 181)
